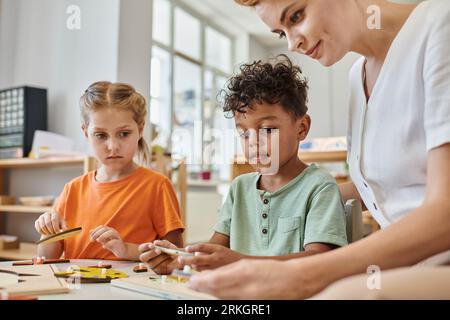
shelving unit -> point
(240, 166)
(324, 156)
(28, 250)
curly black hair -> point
(277, 81)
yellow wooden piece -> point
(60, 236)
(169, 279)
(91, 273)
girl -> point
(121, 204)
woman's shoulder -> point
(432, 12)
(438, 7)
(355, 73)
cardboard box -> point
(9, 242)
(7, 200)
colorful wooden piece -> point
(91, 274)
(37, 260)
(140, 268)
(60, 236)
(102, 265)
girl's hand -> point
(209, 256)
(110, 239)
(159, 262)
(50, 223)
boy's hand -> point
(159, 262)
(110, 239)
(50, 223)
(209, 256)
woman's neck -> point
(372, 42)
(108, 174)
(285, 174)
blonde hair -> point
(122, 96)
(248, 3)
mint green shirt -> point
(308, 209)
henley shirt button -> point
(266, 201)
(264, 231)
(264, 215)
(365, 185)
(375, 206)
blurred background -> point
(178, 54)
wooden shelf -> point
(26, 251)
(240, 166)
(40, 163)
(325, 156)
(205, 183)
(24, 209)
(312, 156)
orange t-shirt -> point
(141, 207)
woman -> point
(399, 148)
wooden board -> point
(91, 274)
(60, 235)
(155, 287)
(45, 283)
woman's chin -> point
(326, 62)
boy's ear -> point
(303, 127)
(84, 129)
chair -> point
(175, 170)
(353, 215)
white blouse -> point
(407, 115)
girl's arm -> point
(175, 237)
(51, 250)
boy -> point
(286, 209)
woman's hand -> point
(258, 279)
(50, 223)
(110, 239)
(209, 256)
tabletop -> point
(96, 291)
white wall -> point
(257, 51)
(38, 50)
(43, 52)
(134, 44)
(328, 93)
